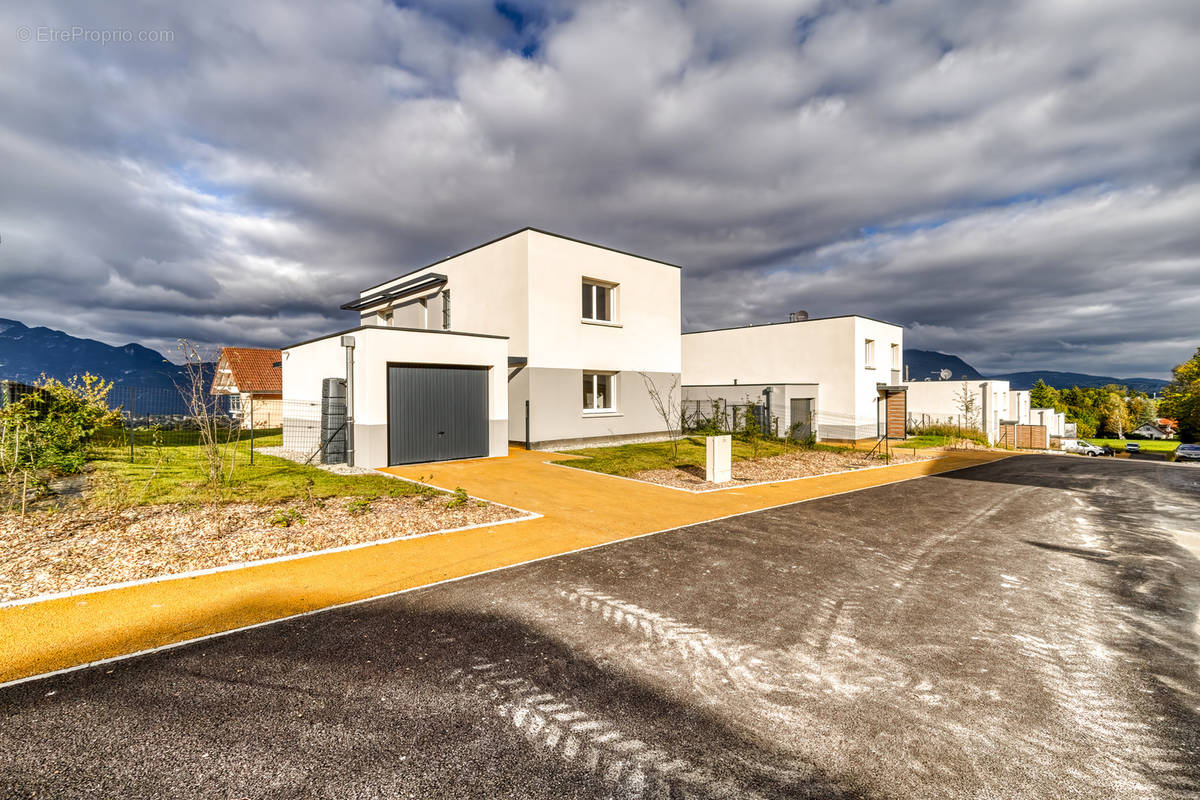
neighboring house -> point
(1019, 406)
(841, 375)
(252, 378)
(533, 338)
(1153, 430)
(942, 403)
(1055, 422)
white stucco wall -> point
(644, 333)
(829, 352)
(489, 293)
(306, 365)
(1019, 406)
(939, 402)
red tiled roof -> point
(254, 369)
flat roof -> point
(397, 292)
(514, 233)
(390, 328)
(794, 322)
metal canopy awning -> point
(883, 387)
(398, 292)
(517, 361)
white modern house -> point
(533, 337)
(1055, 421)
(1019, 406)
(941, 402)
(841, 375)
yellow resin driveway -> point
(579, 509)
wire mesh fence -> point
(721, 416)
(144, 420)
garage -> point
(436, 413)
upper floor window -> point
(895, 356)
(869, 353)
(598, 301)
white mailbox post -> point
(718, 459)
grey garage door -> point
(436, 413)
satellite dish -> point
(945, 374)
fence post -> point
(130, 424)
(252, 430)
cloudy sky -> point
(1015, 182)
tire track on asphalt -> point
(560, 725)
(772, 674)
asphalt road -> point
(1026, 628)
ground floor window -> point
(598, 391)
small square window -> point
(597, 391)
(597, 301)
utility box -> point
(718, 459)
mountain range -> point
(27, 353)
(924, 364)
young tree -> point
(1181, 398)
(669, 405)
(218, 435)
(967, 403)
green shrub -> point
(358, 506)
(752, 433)
(949, 431)
(50, 428)
(460, 498)
(286, 518)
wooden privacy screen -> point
(1026, 437)
(897, 414)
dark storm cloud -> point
(1015, 181)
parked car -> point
(1187, 452)
(1132, 447)
(1082, 447)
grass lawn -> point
(1148, 445)
(926, 440)
(630, 459)
(175, 474)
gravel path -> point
(48, 552)
(800, 464)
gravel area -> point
(303, 457)
(47, 552)
(800, 464)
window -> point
(869, 353)
(598, 301)
(597, 391)
(895, 356)
(446, 309)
